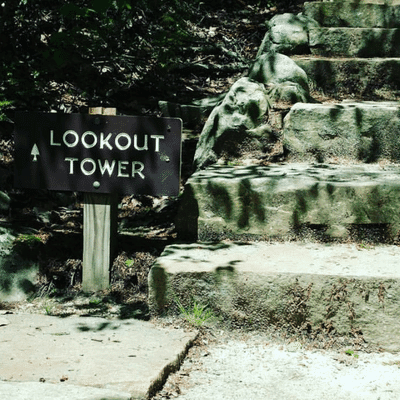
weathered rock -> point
(355, 42)
(4, 202)
(288, 92)
(275, 68)
(353, 14)
(191, 114)
(355, 76)
(209, 102)
(42, 215)
(18, 275)
(280, 200)
(287, 34)
(384, 2)
(259, 285)
(355, 132)
(262, 131)
(244, 108)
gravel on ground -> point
(253, 367)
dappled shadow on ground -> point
(100, 304)
(104, 307)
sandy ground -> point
(252, 367)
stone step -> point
(384, 2)
(191, 114)
(347, 288)
(99, 358)
(343, 132)
(358, 76)
(288, 201)
(353, 14)
(355, 42)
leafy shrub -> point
(88, 46)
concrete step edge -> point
(354, 14)
(355, 42)
(352, 75)
(255, 285)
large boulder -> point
(275, 68)
(288, 33)
(232, 123)
(289, 93)
(4, 202)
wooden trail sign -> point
(102, 155)
(98, 153)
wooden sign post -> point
(99, 232)
(102, 155)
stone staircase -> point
(338, 191)
(356, 48)
(341, 156)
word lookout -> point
(89, 139)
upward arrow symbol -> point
(35, 152)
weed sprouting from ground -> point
(197, 314)
(351, 353)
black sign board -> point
(98, 153)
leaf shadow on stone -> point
(222, 202)
(163, 287)
(251, 202)
(367, 210)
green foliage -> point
(48, 310)
(29, 240)
(28, 246)
(351, 353)
(95, 301)
(196, 315)
(4, 104)
(93, 45)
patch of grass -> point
(48, 310)
(351, 353)
(95, 302)
(233, 163)
(28, 246)
(366, 246)
(4, 104)
(28, 239)
(197, 314)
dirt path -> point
(252, 367)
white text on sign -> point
(88, 166)
(122, 141)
